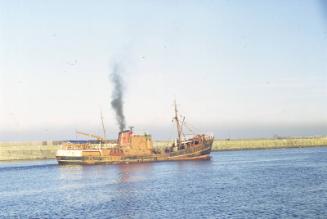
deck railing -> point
(189, 150)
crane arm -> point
(99, 138)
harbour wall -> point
(28, 150)
(32, 150)
(248, 144)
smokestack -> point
(117, 96)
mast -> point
(178, 125)
(103, 129)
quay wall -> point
(32, 150)
(248, 144)
(28, 150)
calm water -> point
(286, 183)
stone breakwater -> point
(32, 150)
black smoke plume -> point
(117, 102)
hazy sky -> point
(237, 68)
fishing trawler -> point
(134, 148)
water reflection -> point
(194, 163)
(67, 172)
(123, 173)
(128, 173)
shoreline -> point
(38, 150)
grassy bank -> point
(47, 149)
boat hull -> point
(77, 157)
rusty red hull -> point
(99, 156)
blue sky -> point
(236, 68)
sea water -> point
(279, 183)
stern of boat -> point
(64, 156)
